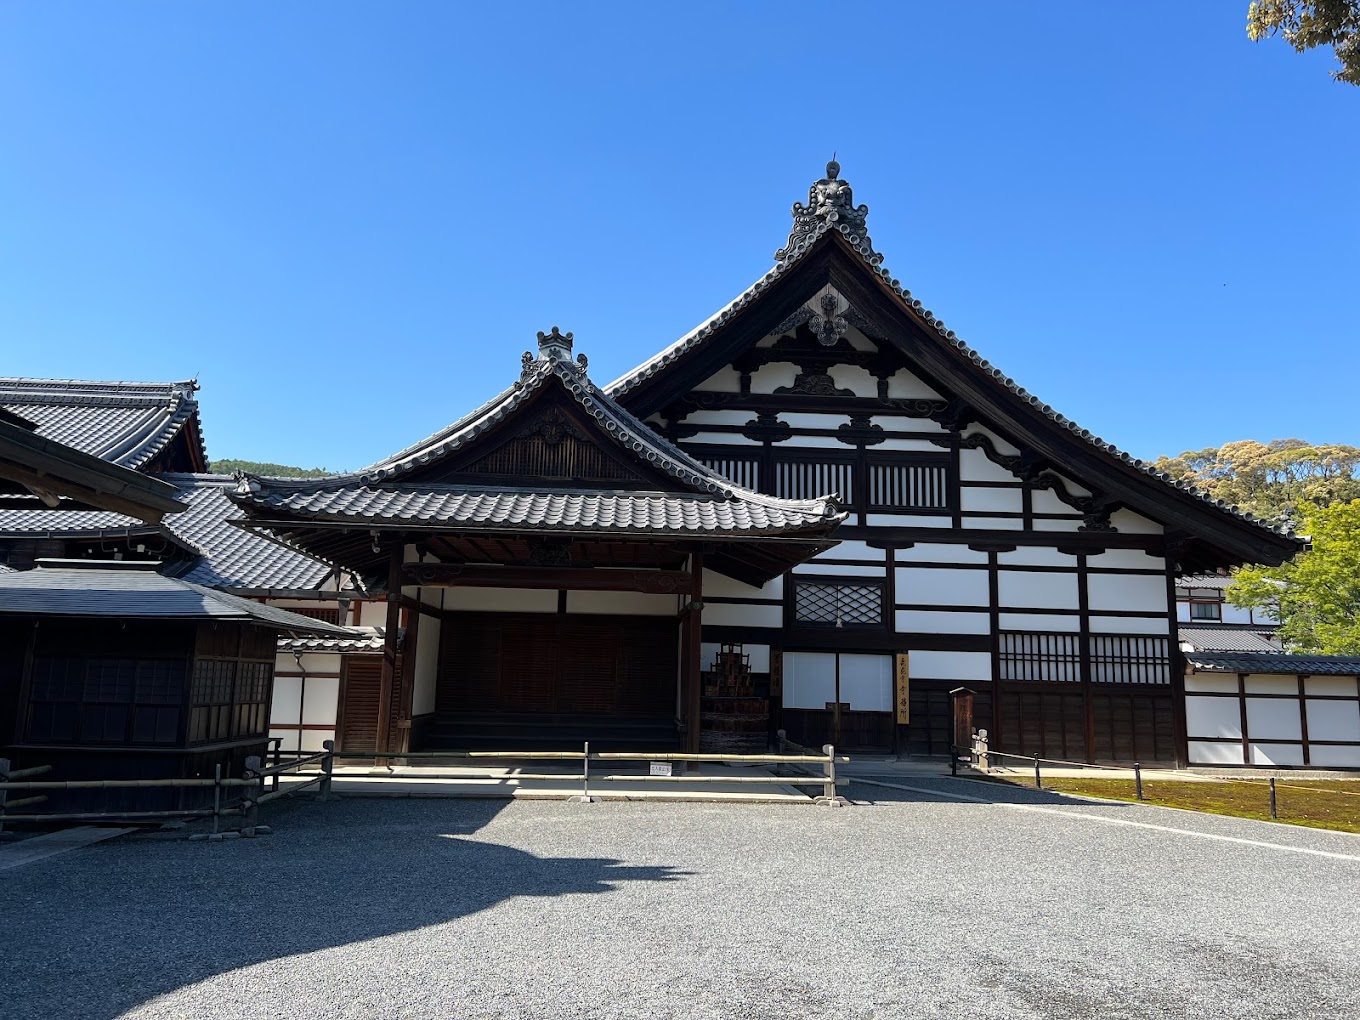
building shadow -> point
(949, 790)
(94, 933)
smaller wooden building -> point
(109, 670)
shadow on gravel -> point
(943, 789)
(98, 933)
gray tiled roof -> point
(579, 510)
(1215, 581)
(126, 423)
(228, 556)
(362, 640)
(75, 588)
(701, 334)
(719, 507)
(1274, 662)
(1224, 639)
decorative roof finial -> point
(831, 203)
(553, 346)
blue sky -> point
(349, 219)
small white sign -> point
(661, 768)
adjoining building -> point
(819, 511)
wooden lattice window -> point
(1044, 656)
(914, 484)
(1130, 659)
(837, 604)
(808, 479)
(743, 471)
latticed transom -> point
(843, 604)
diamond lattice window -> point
(838, 604)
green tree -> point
(1315, 596)
(255, 467)
(1308, 23)
(1271, 480)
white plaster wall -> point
(721, 439)
(718, 416)
(1130, 523)
(1037, 591)
(1127, 592)
(1336, 686)
(857, 570)
(975, 467)
(1232, 614)
(1182, 612)
(427, 665)
(288, 739)
(725, 380)
(1276, 754)
(717, 584)
(1205, 753)
(1043, 501)
(1212, 717)
(1271, 684)
(920, 585)
(1036, 556)
(1335, 757)
(1026, 621)
(940, 552)
(1072, 486)
(903, 445)
(1333, 720)
(812, 420)
(286, 708)
(1068, 525)
(991, 500)
(729, 615)
(769, 377)
(853, 550)
(1153, 626)
(1135, 559)
(1203, 682)
(994, 523)
(1273, 719)
(904, 384)
(853, 377)
(622, 603)
(322, 697)
(951, 665)
(501, 600)
(373, 613)
(920, 621)
(907, 521)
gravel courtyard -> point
(907, 905)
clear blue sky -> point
(349, 219)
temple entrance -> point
(540, 680)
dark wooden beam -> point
(458, 575)
(389, 663)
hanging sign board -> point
(903, 690)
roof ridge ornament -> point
(553, 346)
(830, 204)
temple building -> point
(820, 511)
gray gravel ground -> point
(908, 905)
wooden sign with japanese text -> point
(903, 689)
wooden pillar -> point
(1084, 649)
(1175, 661)
(693, 637)
(389, 663)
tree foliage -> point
(1305, 24)
(255, 467)
(1315, 596)
(1271, 480)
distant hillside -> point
(227, 467)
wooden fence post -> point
(4, 793)
(328, 768)
(253, 769)
(217, 794)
